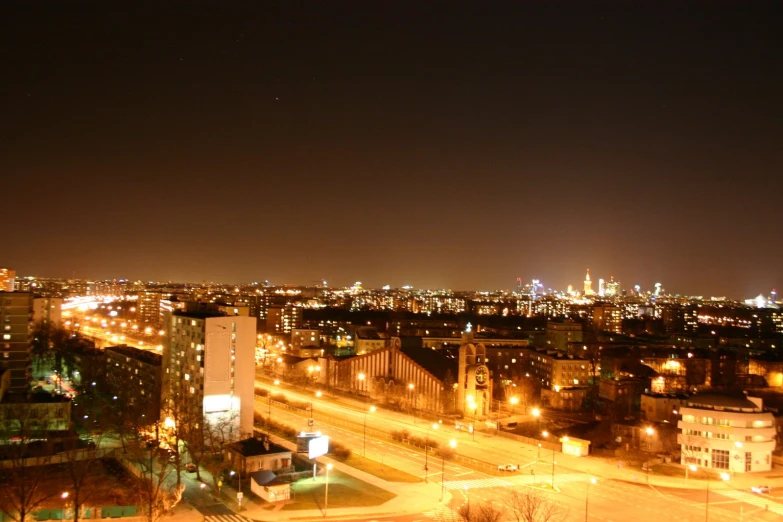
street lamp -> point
(452, 444)
(472, 405)
(364, 440)
(537, 415)
(587, 494)
(649, 432)
(426, 447)
(326, 495)
(546, 435)
(410, 398)
(690, 467)
(513, 401)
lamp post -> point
(410, 398)
(364, 438)
(689, 467)
(513, 401)
(587, 495)
(537, 415)
(649, 432)
(426, 447)
(452, 444)
(361, 378)
(472, 405)
(326, 494)
(546, 435)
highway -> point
(609, 499)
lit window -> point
(6, 337)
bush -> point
(339, 451)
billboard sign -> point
(317, 447)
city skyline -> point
(439, 147)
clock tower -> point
(474, 383)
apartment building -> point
(16, 312)
(726, 433)
(209, 359)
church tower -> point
(474, 386)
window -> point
(720, 459)
(6, 337)
(747, 461)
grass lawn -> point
(379, 470)
(344, 491)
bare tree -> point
(531, 506)
(22, 467)
(479, 512)
(157, 491)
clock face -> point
(482, 375)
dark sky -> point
(449, 145)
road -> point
(609, 499)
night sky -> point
(446, 145)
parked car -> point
(761, 489)
(190, 467)
(508, 467)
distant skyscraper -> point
(612, 287)
(588, 284)
(7, 279)
(601, 288)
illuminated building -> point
(612, 288)
(607, 318)
(726, 433)
(304, 338)
(588, 284)
(16, 313)
(131, 365)
(283, 319)
(48, 310)
(558, 335)
(601, 287)
(148, 308)
(7, 279)
(209, 359)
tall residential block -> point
(48, 310)
(7, 279)
(209, 360)
(16, 312)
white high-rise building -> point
(209, 359)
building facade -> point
(209, 360)
(133, 365)
(48, 310)
(7, 279)
(16, 313)
(726, 433)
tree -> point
(79, 465)
(157, 491)
(23, 469)
(531, 506)
(479, 512)
(449, 395)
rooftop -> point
(253, 447)
(734, 401)
(138, 354)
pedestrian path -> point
(754, 500)
(226, 518)
(491, 482)
(442, 514)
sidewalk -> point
(411, 498)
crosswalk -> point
(754, 500)
(477, 483)
(226, 518)
(442, 514)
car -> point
(190, 467)
(508, 467)
(761, 489)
